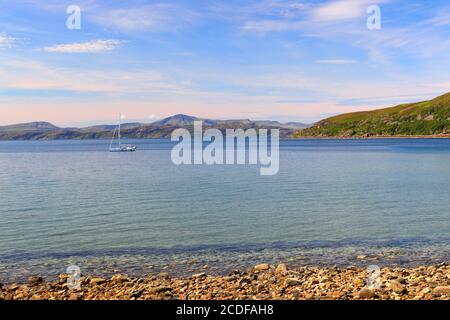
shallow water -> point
(71, 202)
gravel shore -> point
(262, 282)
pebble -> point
(265, 282)
(397, 287)
(163, 275)
(366, 293)
(34, 280)
(120, 278)
(162, 289)
(292, 282)
(75, 296)
(97, 281)
(441, 291)
(262, 266)
(281, 268)
(13, 287)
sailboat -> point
(120, 148)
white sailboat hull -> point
(123, 149)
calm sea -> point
(72, 202)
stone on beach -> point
(75, 296)
(261, 267)
(163, 275)
(366, 293)
(162, 289)
(441, 291)
(292, 282)
(281, 269)
(97, 281)
(120, 278)
(397, 287)
(35, 280)
(63, 278)
(311, 282)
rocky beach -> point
(261, 282)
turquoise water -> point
(71, 202)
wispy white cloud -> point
(265, 8)
(263, 26)
(342, 10)
(147, 18)
(6, 41)
(441, 19)
(441, 85)
(93, 46)
(344, 21)
(24, 74)
(287, 16)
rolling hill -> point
(426, 118)
(31, 126)
(159, 129)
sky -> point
(224, 59)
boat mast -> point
(112, 139)
(120, 117)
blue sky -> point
(270, 59)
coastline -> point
(371, 137)
(261, 282)
(447, 136)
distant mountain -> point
(30, 126)
(184, 120)
(288, 125)
(159, 129)
(427, 118)
(107, 127)
(298, 125)
(180, 120)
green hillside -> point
(415, 119)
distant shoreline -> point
(369, 138)
(432, 137)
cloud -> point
(5, 41)
(93, 46)
(336, 61)
(440, 20)
(24, 75)
(307, 17)
(264, 26)
(441, 85)
(345, 21)
(245, 9)
(341, 10)
(151, 18)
